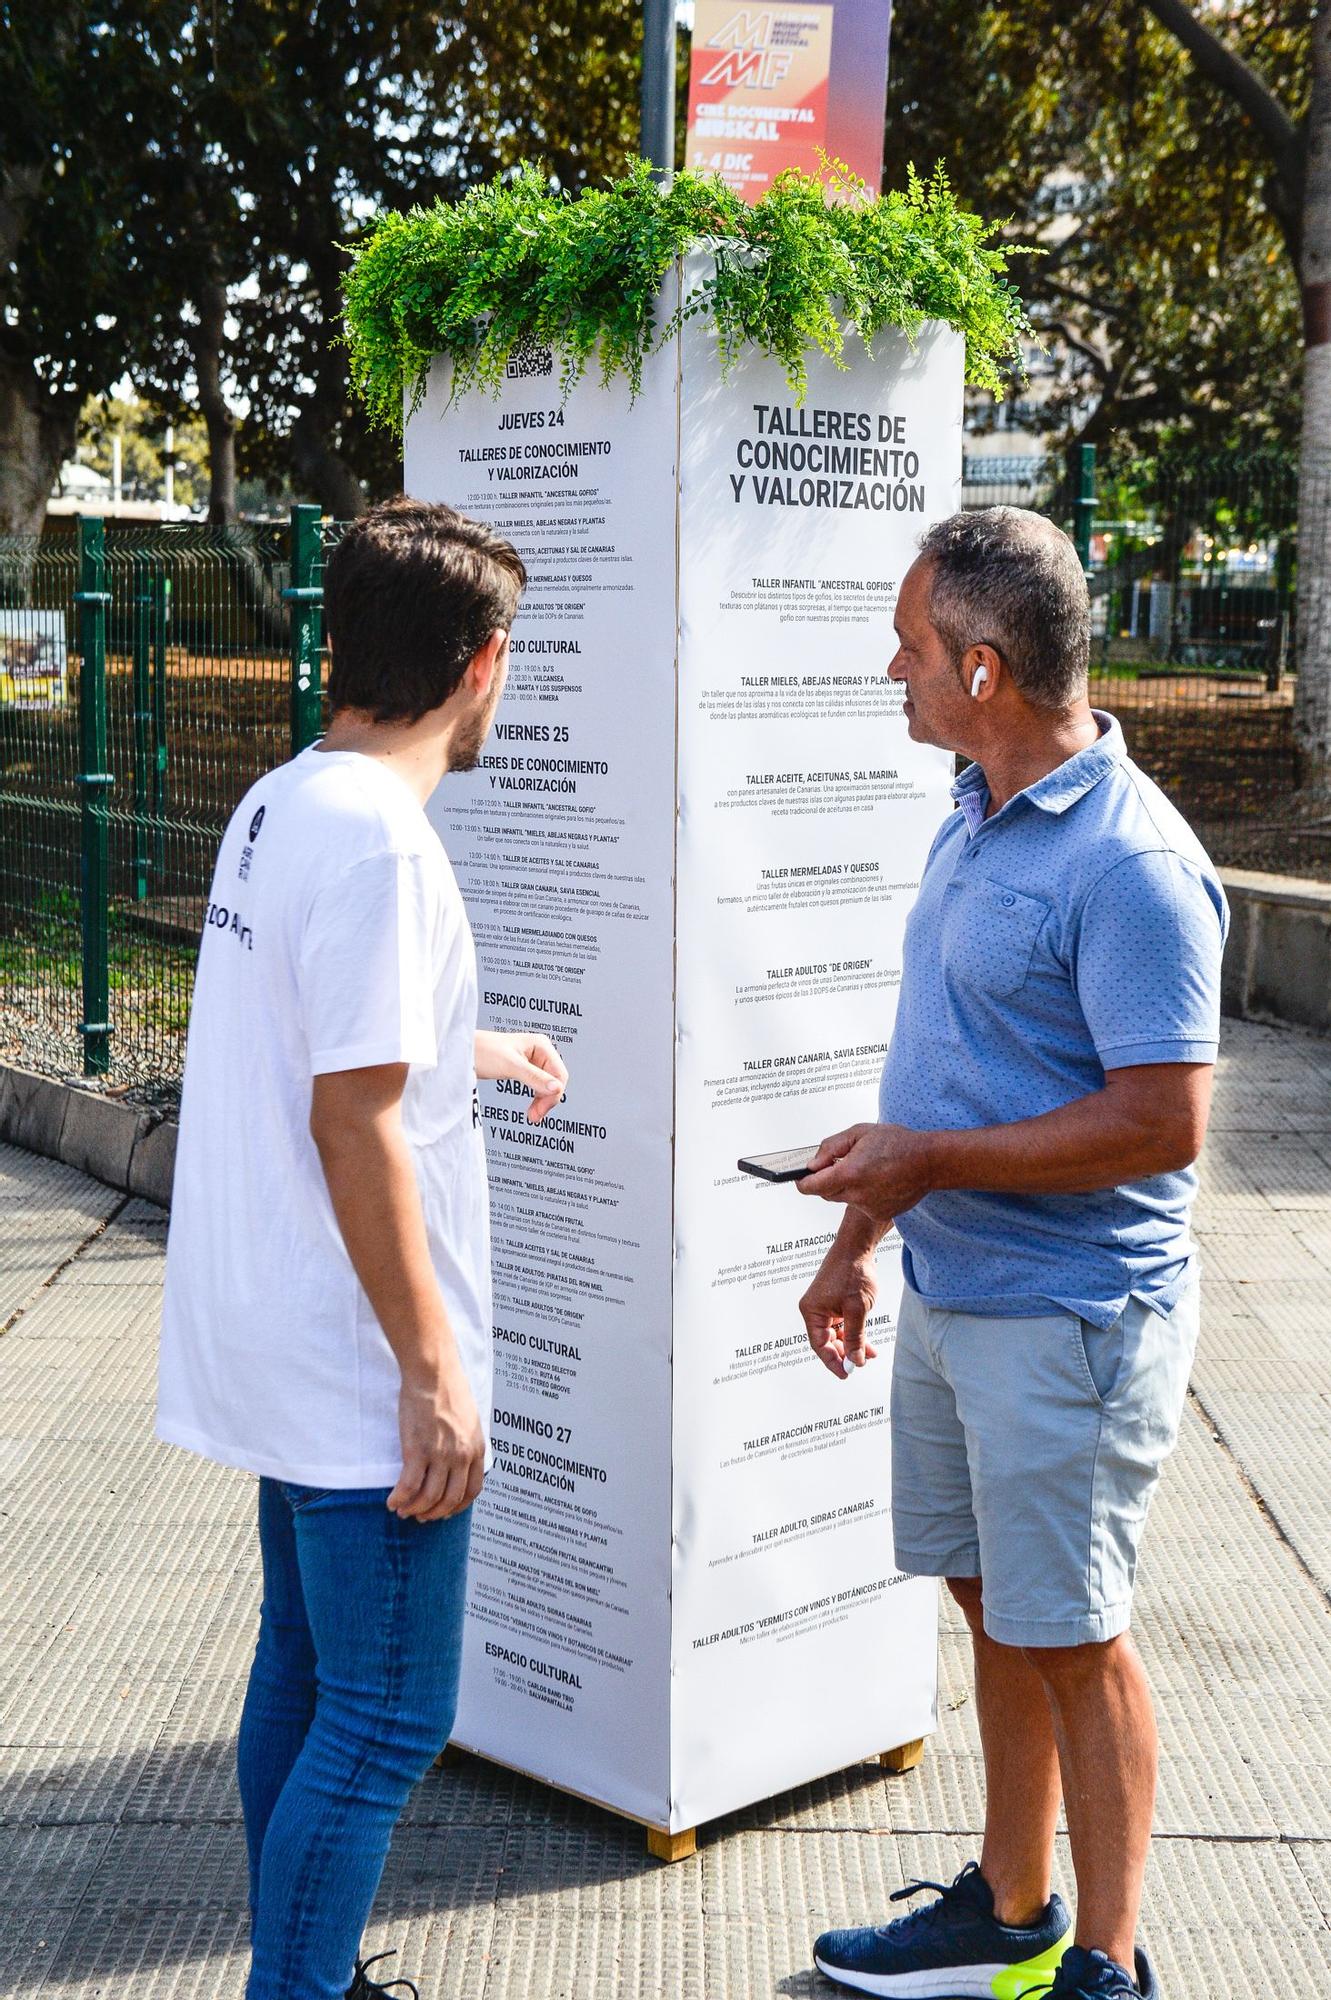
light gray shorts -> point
(1026, 1452)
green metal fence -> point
(148, 675)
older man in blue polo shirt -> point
(1044, 1097)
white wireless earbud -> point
(980, 677)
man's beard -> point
(467, 747)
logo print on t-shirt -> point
(247, 853)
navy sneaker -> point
(954, 1949)
(363, 1987)
(1089, 1975)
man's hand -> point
(881, 1169)
(530, 1059)
(443, 1446)
(835, 1307)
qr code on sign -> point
(530, 360)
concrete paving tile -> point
(1299, 1312)
(28, 1176)
(854, 1799)
(177, 1955)
(600, 1869)
(1274, 1375)
(446, 1956)
(945, 1792)
(21, 1281)
(435, 1910)
(1207, 1784)
(55, 1372)
(74, 1486)
(817, 1879)
(1271, 1255)
(128, 1311)
(130, 1251)
(1229, 1918)
(462, 1790)
(533, 1958)
(47, 1872)
(1314, 1863)
(1302, 1104)
(188, 1776)
(1315, 1237)
(74, 1756)
(77, 1420)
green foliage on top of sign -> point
(518, 264)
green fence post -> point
(1083, 502)
(141, 657)
(160, 595)
(92, 598)
(305, 596)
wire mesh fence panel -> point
(40, 928)
(196, 646)
(1193, 579)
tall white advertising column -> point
(689, 853)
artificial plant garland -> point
(517, 262)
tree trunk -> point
(207, 341)
(321, 469)
(1312, 715)
(37, 434)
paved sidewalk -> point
(129, 1616)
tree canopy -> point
(180, 188)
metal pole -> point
(160, 588)
(1083, 506)
(658, 85)
(141, 654)
(92, 598)
(305, 596)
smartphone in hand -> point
(792, 1165)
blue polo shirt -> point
(1079, 930)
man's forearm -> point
(1080, 1148)
(859, 1234)
(378, 1209)
(1146, 1121)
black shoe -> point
(1090, 1975)
(363, 1987)
(950, 1950)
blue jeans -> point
(351, 1697)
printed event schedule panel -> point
(689, 853)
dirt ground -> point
(1224, 752)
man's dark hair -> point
(411, 593)
(1010, 577)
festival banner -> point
(774, 87)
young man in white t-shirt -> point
(327, 1319)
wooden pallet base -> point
(662, 1844)
(905, 1757)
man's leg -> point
(385, 1598)
(279, 1701)
(1021, 1771)
(1104, 1726)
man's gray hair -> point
(1011, 578)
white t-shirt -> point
(335, 939)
